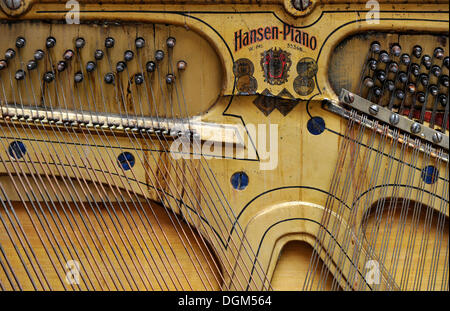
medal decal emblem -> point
(275, 64)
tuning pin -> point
(443, 99)
(80, 43)
(78, 77)
(377, 91)
(384, 57)
(421, 97)
(170, 78)
(20, 75)
(372, 63)
(399, 94)
(393, 67)
(98, 54)
(375, 47)
(390, 85)
(61, 66)
(396, 49)
(438, 53)
(415, 70)
(128, 55)
(120, 66)
(31, 65)
(49, 76)
(181, 65)
(3, 64)
(381, 75)
(436, 70)
(417, 51)
(444, 80)
(109, 42)
(138, 78)
(50, 42)
(90, 66)
(139, 42)
(150, 66)
(9, 54)
(170, 42)
(109, 78)
(446, 62)
(402, 77)
(426, 61)
(368, 82)
(411, 88)
(38, 55)
(423, 78)
(20, 42)
(159, 55)
(434, 90)
(405, 59)
(68, 55)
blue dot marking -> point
(430, 174)
(239, 180)
(126, 160)
(316, 125)
(17, 149)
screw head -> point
(437, 137)
(12, 4)
(416, 128)
(373, 109)
(394, 119)
(349, 98)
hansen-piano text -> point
(286, 33)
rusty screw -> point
(12, 4)
(301, 5)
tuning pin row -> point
(80, 43)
